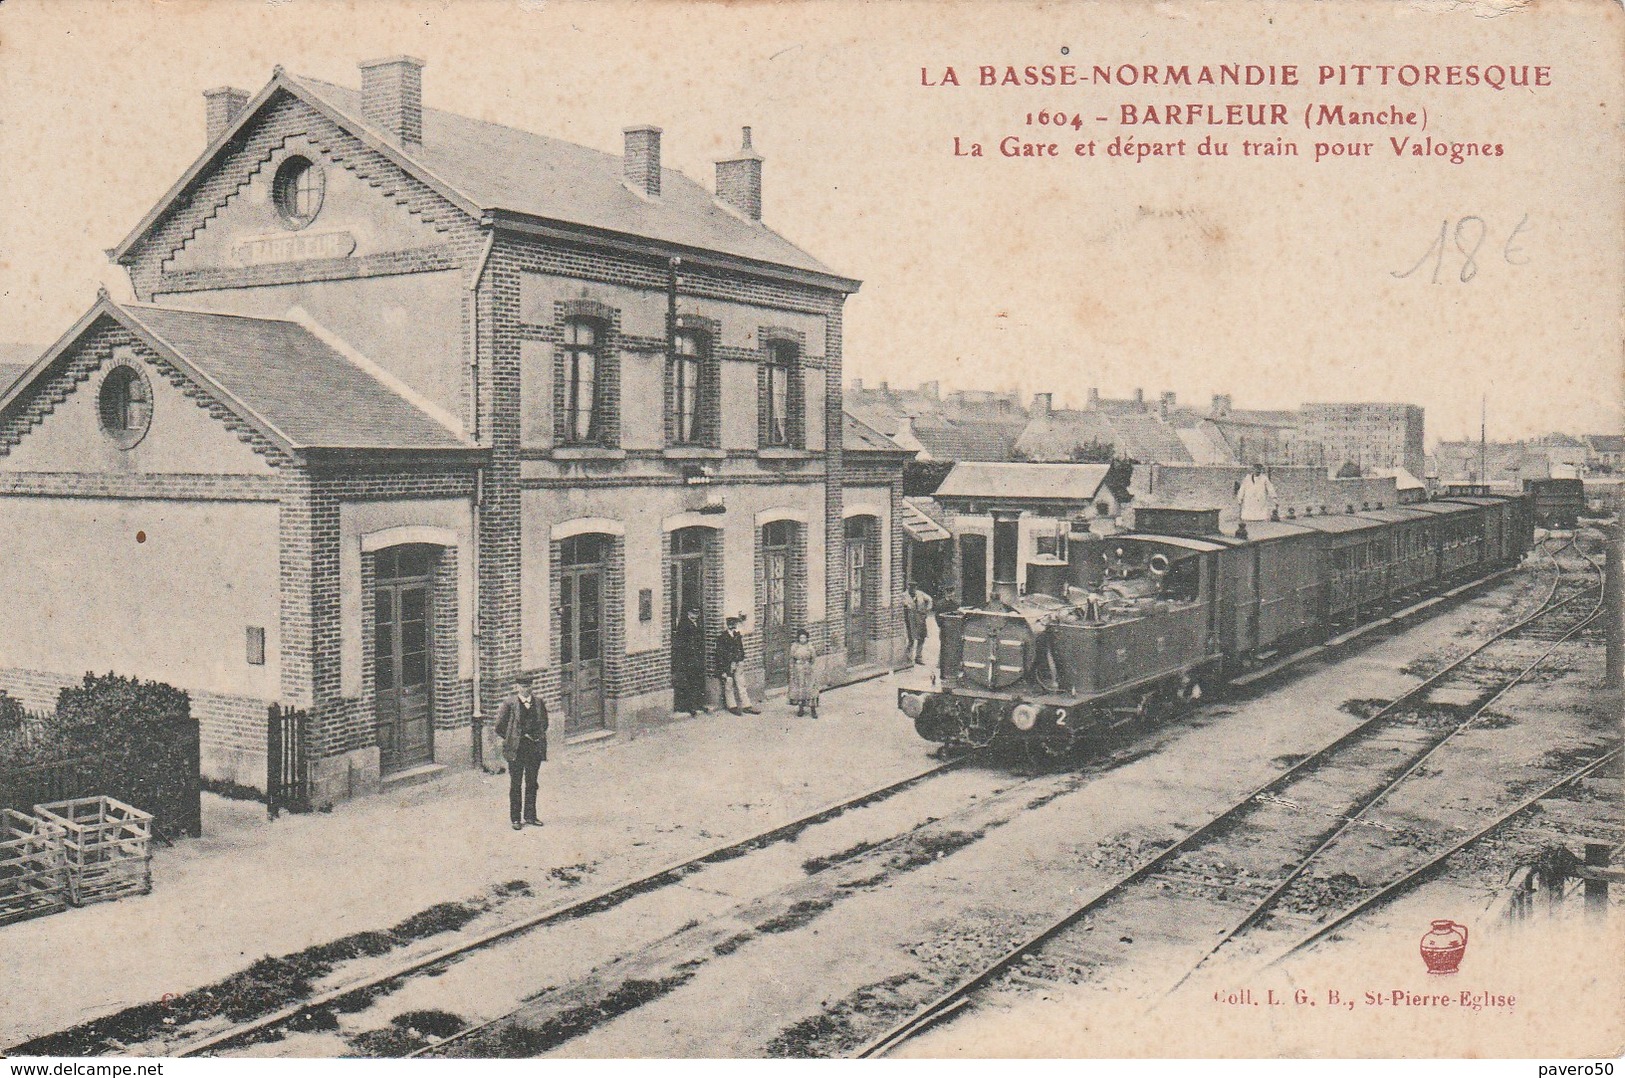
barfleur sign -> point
(298, 247)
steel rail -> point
(958, 995)
(1347, 820)
(602, 899)
(1418, 874)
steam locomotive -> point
(1130, 626)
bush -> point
(133, 740)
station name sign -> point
(294, 247)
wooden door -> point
(972, 570)
(403, 660)
(690, 654)
(776, 570)
(859, 591)
(581, 633)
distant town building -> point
(1605, 452)
(1367, 435)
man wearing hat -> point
(522, 726)
(727, 658)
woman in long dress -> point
(804, 674)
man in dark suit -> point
(522, 726)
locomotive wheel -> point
(1050, 750)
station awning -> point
(920, 525)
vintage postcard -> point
(831, 529)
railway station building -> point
(410, 404)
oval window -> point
(125, 405)
(298, 191)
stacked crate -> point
(106, 846)
(33, 867)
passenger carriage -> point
(1459, 537)
(1354, 566)
(1412, 554)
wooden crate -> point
(106, 844)
(33, 871)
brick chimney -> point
(1166, 407)
(739, 180)
(221, 107)
(857, 385)
(641, 161)
(931, 389)
(1094, 398)
(1221, 405)
(392, 97)
(1042, 403)
(1139, 395)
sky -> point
(1276, 280)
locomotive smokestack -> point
(1006, 553)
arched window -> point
(583, 405)
(777, 396)
(125, 405)
(687, 362)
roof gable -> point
(483, 168)
(57, 425)
(295, 389)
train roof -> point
(1184, 542)
(1262, 531)
(1393, 516)
(1335, 523)
(1443, 508)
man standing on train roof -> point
(1255, 495)
(522, 726)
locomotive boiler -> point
(1131, 626)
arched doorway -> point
(862, 587)
(403, 654)
(779, 571)
(694, 609)
(583, 560)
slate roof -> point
(300, 391)
(1142, 436)
(489, 167)
(297, 383)
(966, 439)
(1606, 443)
(859, 437)
(1050, 482)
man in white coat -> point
(1255, 496)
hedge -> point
(133, 740)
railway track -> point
(269, 1025)
(1222, 878)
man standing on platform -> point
(729, 659)
(522, 726)
(917, 606)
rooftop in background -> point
(14, 360)
(965, 425)
(859, 437)
(1030, 482)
